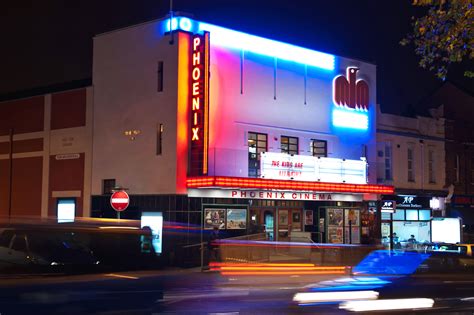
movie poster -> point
(214, 217)
(283, 217)
(335, 235)
(308, 217)
(352, 215)
(236, 219)
(335, 217)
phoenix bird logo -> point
(349, 92)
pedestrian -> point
(212, 244)
(411, 242)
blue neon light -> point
(233, 39)
(350, 119)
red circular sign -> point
(119, 200)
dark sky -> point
(50, 42)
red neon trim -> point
(243, 182)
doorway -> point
(269, 225)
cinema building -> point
(216, 127)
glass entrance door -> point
(269, 225)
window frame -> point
(104, 192)
(289, 151)
(313, 147)
(411, 158)
(255, 171)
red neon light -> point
(243, 182)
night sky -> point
(50, 42)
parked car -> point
(25, 249)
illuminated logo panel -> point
(351, 99)
(199, 102)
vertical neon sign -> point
(199, 94)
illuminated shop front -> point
(255, 135)
(410, 218)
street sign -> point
(119, 200)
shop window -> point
(107, 186)
(289, 145)
(159, 82)
(424, 215)
(257, 143)
(399, 215)
(412, 215)
(319, 148)
(410, 162)
(431, 166)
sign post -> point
(119, 201)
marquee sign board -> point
(309, 168)
(272, 195)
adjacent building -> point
(411, 157)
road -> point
(177, 291)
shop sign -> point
(463, 201)
(412, 202)
(388, 206)
(71, 156)
(309, 168)
(199, 103)
(271, 195)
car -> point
(29, 249)
(397, 281)
(466, 248)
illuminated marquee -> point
(308, 168)
(199, 102)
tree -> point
(445, 35)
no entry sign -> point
(119, 200)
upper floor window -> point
(108, 186)
(159, 73)
(384, 163)
(289, 145)
(410, 162)
(431, 165)
(319, 148)
(257, 143)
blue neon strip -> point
(224, 37)
(350, 119)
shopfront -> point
(408, 222)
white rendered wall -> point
(126, 98)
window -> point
(159, 140)
(107, 186)
(472, 169)
(412, 215)
(319, 148)
(384, 161)
(257, 143)
(19, 243)
(289, 145)
(410, 160)
(399, 215)
(424, 215)
(456, 169)
(431, 165)
(159, 82)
